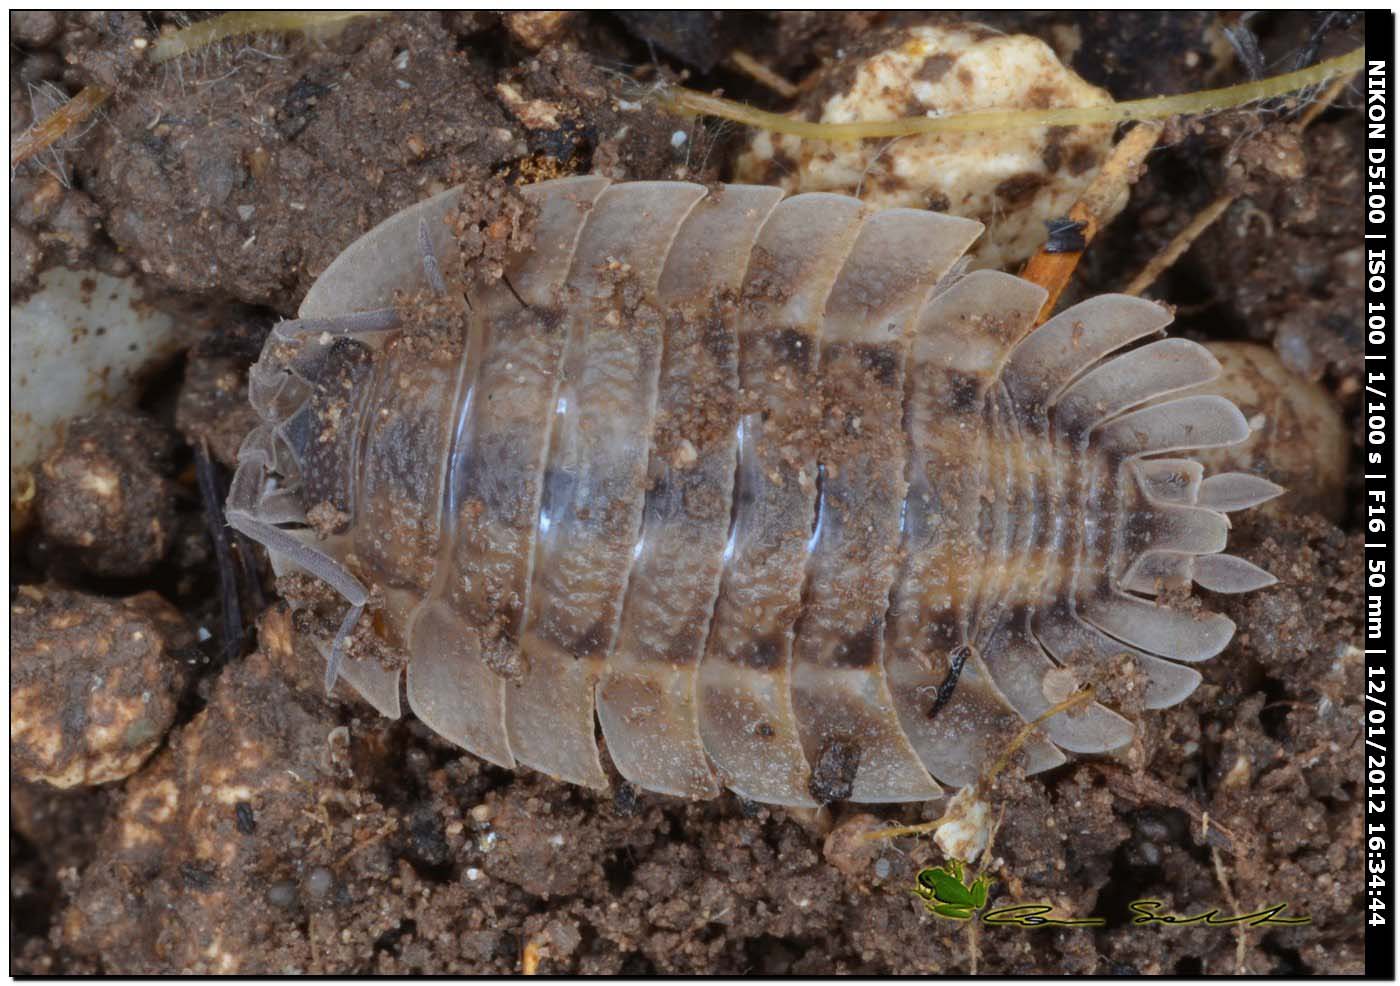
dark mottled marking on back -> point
(793, 348)
(834, 775)
(334, 421)
(860, 650)
(715, 335)
(1082, 158)
(550, 320)
(881, 361)
(591, 640)
(934, 69)
(964, 391)
(765, 654)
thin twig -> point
(57, 124)
(216, 29)
(1240, 934)
(1052, 271)
(1179, 244)
(756, 70)
(1079, 698)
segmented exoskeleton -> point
(794, 507)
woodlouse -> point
(747, 477)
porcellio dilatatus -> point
(789, 502)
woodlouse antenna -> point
(214, 520)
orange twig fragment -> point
(51, 128)
(1052, 271)
(530, 959)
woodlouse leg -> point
(319, 564)
(1050, 358)
(1229, 574)
(1231, 491)
(1149, 529)
(1032, 683)
(1073, 642)
(244, 515)
(1197, 422)
(1149, 372)
(1165, 481)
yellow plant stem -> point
(689, 102)
(216, 29)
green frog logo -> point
(945, 894)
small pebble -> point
(35, 28)
(283, 893)
(103, 495)
(319, 882)
(93, 685)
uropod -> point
(767, 489)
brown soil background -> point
(362, 845)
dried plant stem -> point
(81, 107)
(689, 102)
(61, 121)
(1079, 698)
(756, 70)
(1052, 271)
(1241, 939)
(216, 29)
